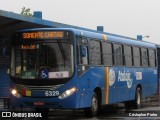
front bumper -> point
(50, 102)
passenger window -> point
(128, 56)
(136, 56)
(144, 55)
(152, 60)
(95, 53)
(107, 54)
(118, 56)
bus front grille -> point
(39, 88)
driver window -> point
(82, 51)
(82, 54)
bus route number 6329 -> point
(51, 93)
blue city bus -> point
(65, 68)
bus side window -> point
(152, 58)
(95, 53)
(128, 55)
(118, 55)
(136, 57)
(144, 56)
(107, 54)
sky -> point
(123, 17)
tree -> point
(26, 12)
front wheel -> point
(93, 110)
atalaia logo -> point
(125, 76)
(112, 77)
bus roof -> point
(97, 35)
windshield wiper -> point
(62, 52)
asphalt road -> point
(150, 110)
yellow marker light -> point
(104, 37)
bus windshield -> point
(47, 60)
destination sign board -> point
(43, 35)
(28, 47)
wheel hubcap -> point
(94, 104)
(138, 98)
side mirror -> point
(83, 51)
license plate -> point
(38, 103)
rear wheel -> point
(93, 110)
(137, 101)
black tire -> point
(95, 107)
(137, 101)
(7, 103)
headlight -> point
(67, 93)
(15, 93)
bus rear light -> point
(67, 93)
